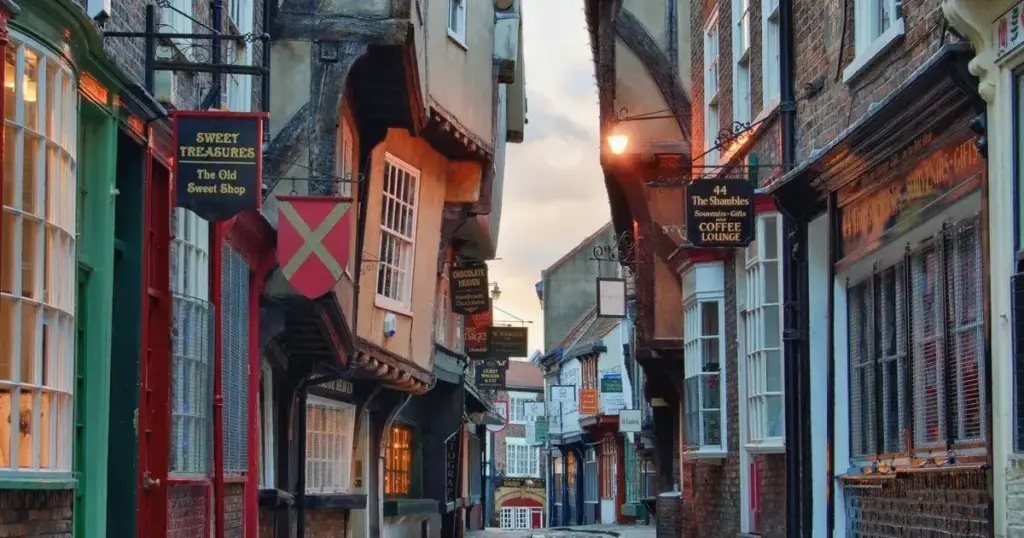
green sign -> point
(541, 432)
(611, 383)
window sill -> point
(411, 507)
(874, 51)
(344, 501)
(392, 306)
(771, 446)
(710, 454)
(461, 42)
(42, 483)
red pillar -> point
(216, 297)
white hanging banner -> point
(629, 421)
(563, 393)
(534, 410)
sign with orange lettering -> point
(871, 215)
(589, 399)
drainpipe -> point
(795, 330)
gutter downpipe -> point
(795, 359)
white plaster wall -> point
(817, 278)
(613, 361)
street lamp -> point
(495, 292)
(618, 143)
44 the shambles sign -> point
(469, 289)
(720, 213)
(218, 162)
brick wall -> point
(234, 510)
(326, 523)
(937, 503)
(821, 118)
(1015, 498)
(36, 513)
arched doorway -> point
(521, 513)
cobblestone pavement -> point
(586, 531)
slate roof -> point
(595, 330)
(525, 375)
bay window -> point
(329, 428)
(400, 190)
(704, 347)
(761, 322)
(920, 315)
(39, 265)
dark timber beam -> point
(658, 65)
(327, 89)
(310, 27)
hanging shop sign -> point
(501, 407)
(218, 162)
(495, 362)
(561, 394)
(589, 399)
(313, 241)
(508, 341)
(490, 376)
(611, 298)
(469, 286)
(542, 431)
(720, 213)
(452, 468)
(611, 383)
(475, 333)
(629, 421)
(534, 410)
(904, 192)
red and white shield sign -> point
(313, 241)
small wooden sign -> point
(469, 287)
(475, 333)
(720, 213)
(508, 341)
(589, 402)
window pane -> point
(773, 371)
(709, 318)
(30, 89)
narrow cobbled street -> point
(586, 531)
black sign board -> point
(490, 376)
(470, 293)
(508, 341)
(452, 468)
(522, 483)
(720, 213)
(495, 362)
(218, 162)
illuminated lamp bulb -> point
(618, 143)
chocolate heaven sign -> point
(218, 162)
(720, 213)
(470, 294)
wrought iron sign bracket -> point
(622, 116)
(622, 243)
(204, 58)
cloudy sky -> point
(554, 193)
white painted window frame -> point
(513, 463)
(753, 281)
(38, 294)
(705, 283)
(771, 41)
(871, 41)
(519, 416)
(335, 447)
(456, 22)
(177, 22)
(742, 108)
(399, 301)
(241, 13)
(712, 57)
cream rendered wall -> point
(975, 20)
(460, 78)
(413, 339)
